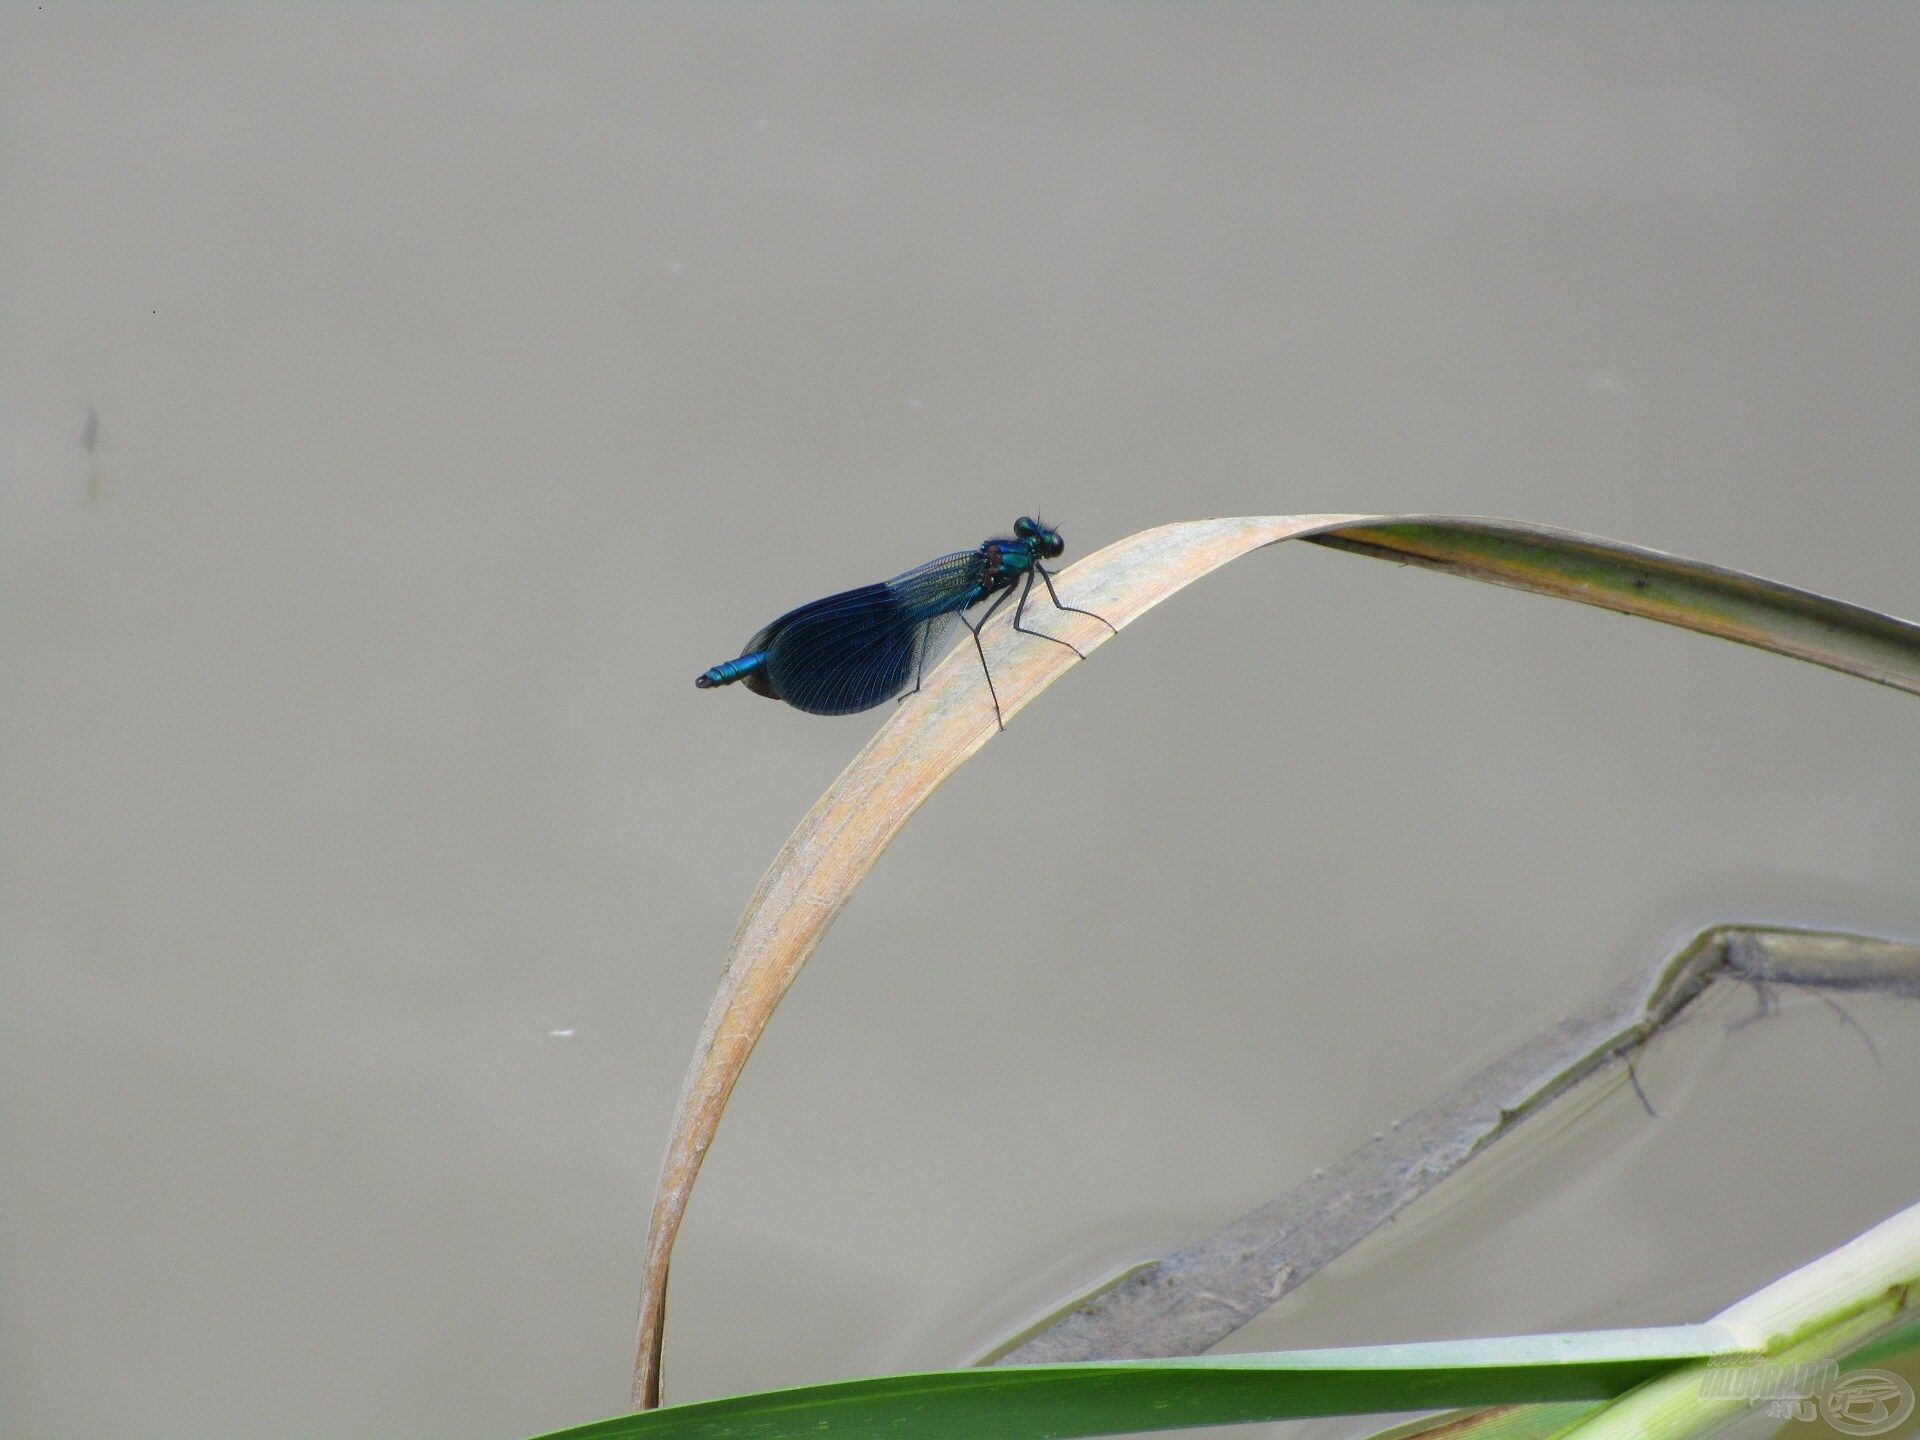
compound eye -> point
(1055, 547)
(1024, 527)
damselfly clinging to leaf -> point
(850, 651)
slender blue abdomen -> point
(729, 671)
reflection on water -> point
(1596, 1214)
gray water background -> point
(463, 380)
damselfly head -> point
(1046, 543)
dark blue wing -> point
(848, 652)
(940, 587)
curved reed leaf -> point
(931, 734)
(1115, 1397)
(1689, 593)
(925, 740)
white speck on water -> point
(566, 1034)
(1319, 1171)
(1378, 1136)
(1606, 382)
(914, 402)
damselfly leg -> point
(1054, 595)
(1020, 611)
(985, 669)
